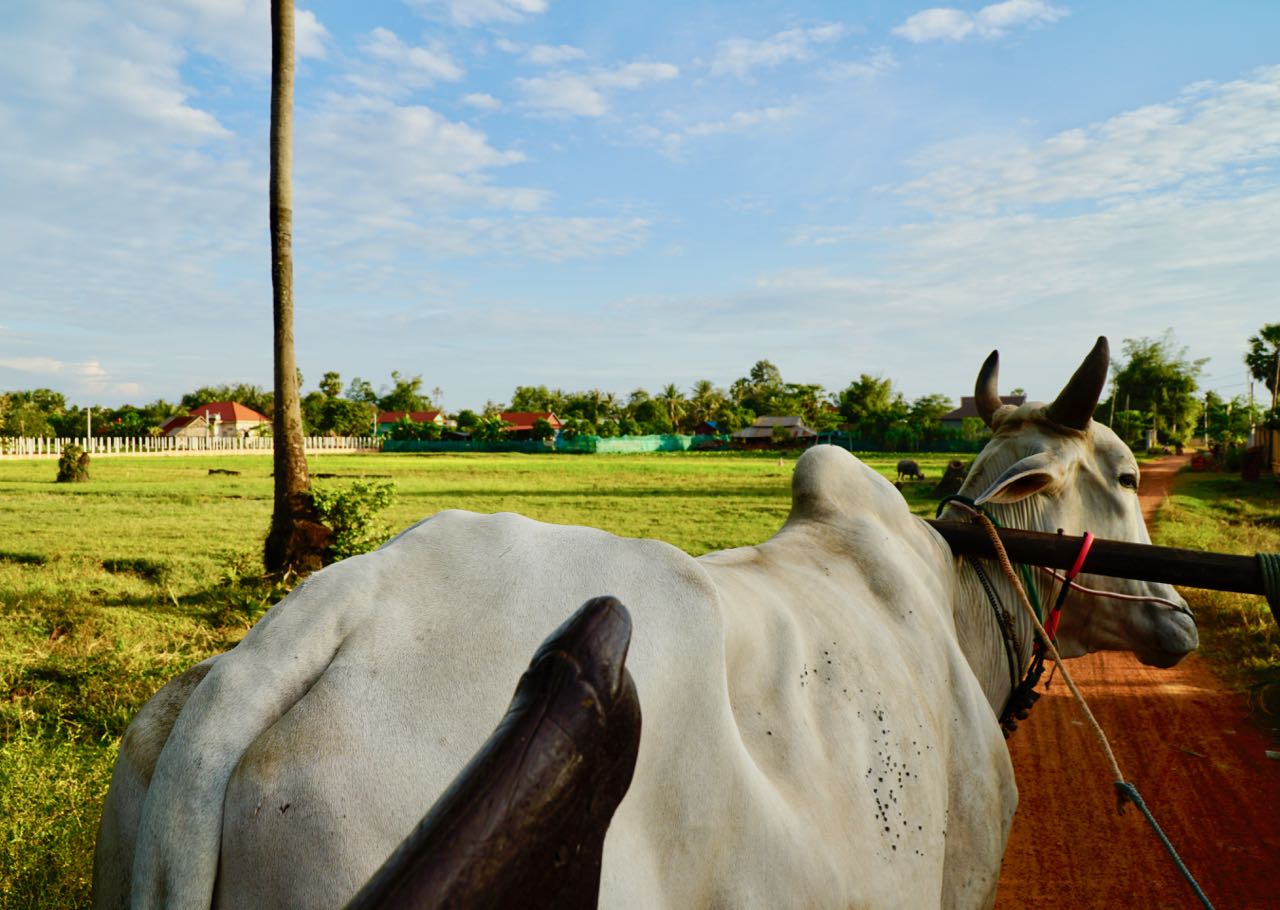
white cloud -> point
(739, 121)
(481, 101)
(586, 94)
(635, 75)
(995, 20)
(408, 157)
(564, 94)
(235, 32)
(541, 54)
(553, 55)
(118, 70)
(39, 366)
(1147, 220)
(949, 24)
(881, 61)
(478, 12)
(135, 195)
(1194, 143)
(81, 378)
(393, 68)
(739, 56)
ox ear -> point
(1024, 478)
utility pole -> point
(1275, 381)
(1252, 427)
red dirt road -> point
(1188, 746)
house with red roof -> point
(520, 423)
(185, 425)
(230, 418)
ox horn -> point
(986, 394)
(1075, 403)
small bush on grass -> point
(73, 466)
(351, 513)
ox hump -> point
(833, 489)
(831, 485)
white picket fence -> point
(50, 447)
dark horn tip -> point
(1075, 404)
(986, 395)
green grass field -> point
(108, 589)
(1225, 514)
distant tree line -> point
(1154, 386)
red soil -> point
(1186, 743)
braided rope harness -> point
(1023, 696)
(1269, 565)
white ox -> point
(819, 710)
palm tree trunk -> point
(296, 541)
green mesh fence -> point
(865, 444)
(532, 446)
(618, 445)
(578, 445)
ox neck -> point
(981, 627)
(980, 634)
(981, 637)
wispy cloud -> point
(39, 366)
(1136, 223)
(480, 12)
(741, 120)
(409, 157)
(81, 378)
(135, 203)
(552, 55)
(673, 142)
(587, 94)
(740, 56)
(881, 61)
(944, 23)
(481, 101)
(393, 68)
(1208, 132)
(237, 34)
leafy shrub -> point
(351, 512)
(404, 428)
(73, 466)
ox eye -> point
(1129, 480)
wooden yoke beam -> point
(1190, 568)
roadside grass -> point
(51, 790)
(1221, 512)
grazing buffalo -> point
(820, 710)
(909, 469)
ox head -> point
(1051, 467)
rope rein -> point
(1125, 791)
(1044, 640)
(1269, 565)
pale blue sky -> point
(494, 192)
